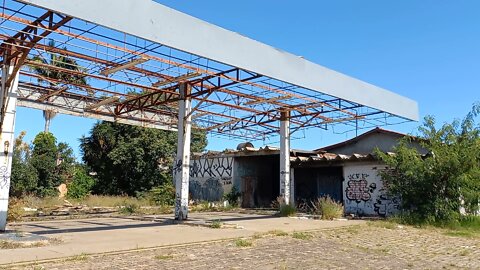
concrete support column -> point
(285, 157)
(7, 140)
(292, 185)
(182, 167)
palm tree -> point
(60, 61)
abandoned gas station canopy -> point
(140, 63)
(132, 55)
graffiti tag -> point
(4, 177)
(358, 189)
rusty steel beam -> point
(205, 84)
(26, 39)
(16, 50)
(54, 93)
(170, 62)
(79, 86)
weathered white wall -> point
(211, 177)
(364, 192)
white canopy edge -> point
(160, 24)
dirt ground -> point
(366, 246)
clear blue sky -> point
(426, 50)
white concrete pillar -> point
(292, 185)
(182, 167)
(7, 140)
(285, 157)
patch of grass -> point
(461, 233)
(277, 233)
(216, 224)
(302, 236)
(327, 208)
(9, 245)
(282, 266)
(269, 234)
(78, 258)
(164, 257)
(353, 229)
(243, 243)
(129, 209)
(383, 224)
(287, 210)
(155, 210)
(465, 252)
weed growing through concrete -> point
(327, 208)
(9, 245)
(164, 257)
(243, 243)
(287, 210)
(78, 258)
(282, 266)
(216, 224)
(277, 233)
(302, 236)
(129, 209)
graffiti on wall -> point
(210, 190)
(4, 177)
(212, 167)
(386, 205)
(365, 193)
(358, 188)
(211, 178)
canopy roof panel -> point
(127, 58)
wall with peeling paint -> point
(365, 193)
(211, 178)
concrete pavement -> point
(114, 234)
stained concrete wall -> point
(211, 177)
(365, 193)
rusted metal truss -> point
(131, 80)
(15, 49)
(203, 86)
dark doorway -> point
(260, 179)
(312, 183)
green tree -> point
(53, 163)
(46, 73)
(81, 185)
(129, 159)
(432, 187)
(24, 175)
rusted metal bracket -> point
(15, 50)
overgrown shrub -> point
(284, 210)
(233, 197)
(15, 209)
(327, 208)
(129, 208)
(432, 186)
(82, 184)
(162, 195)
(287, 210)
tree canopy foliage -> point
(40, 168)
(434, 187)
(129, 159)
